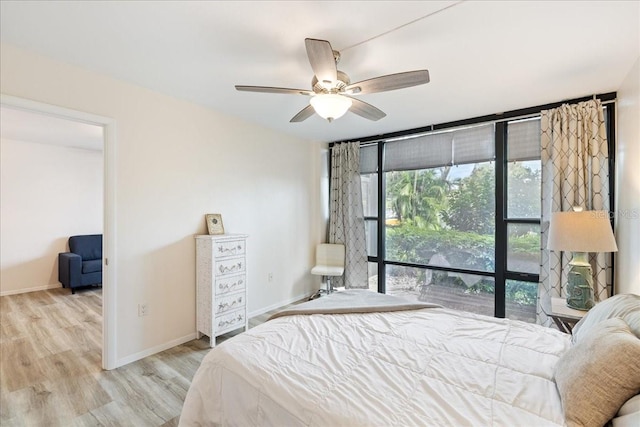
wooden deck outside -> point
(456, 298)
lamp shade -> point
(585, 231)
(330, 106)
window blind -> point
(423, 152)
(369, 159)
(460, 146)
(474, 145)
(523, 140)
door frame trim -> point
(109, 288)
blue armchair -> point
(82, 266)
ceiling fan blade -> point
(365, 110)
(304, 114)
(266, 89)
(322, 61)
(389, 82)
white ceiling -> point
(483, 57)
(27, 126)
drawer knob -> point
(229, 286)
(233, 267)
(224, 306)
(223, 323)
(230, 250)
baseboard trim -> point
(157, 349)
(153, 350)
(34, 289)
(278, 305)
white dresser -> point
(221, 284)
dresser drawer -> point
(230, 321)
(232, 248)
(230, 303)
(227, 285)
(230, 266)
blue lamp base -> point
(580, 283)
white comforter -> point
(428, 367)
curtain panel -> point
(346, 218)
(575, 172)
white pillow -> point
(629, 413)
(632, 405)
(624, 306)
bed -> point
(384, 362)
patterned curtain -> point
(575, 172)
(346, 218)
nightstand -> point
(564, 317)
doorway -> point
(108, 195)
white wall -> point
(47, 193)
(628, 184)
(177, 161)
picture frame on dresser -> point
(214, 224)
(221, 285)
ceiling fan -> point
(331, 89)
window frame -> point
(501, 274)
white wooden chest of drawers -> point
(221, 284)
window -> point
(520, 223)
(452, 215)
(369, 178)
(440, 191)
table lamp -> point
(580, 232)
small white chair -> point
(329, 263)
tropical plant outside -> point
(446, 217)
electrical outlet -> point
(270, 277)
(143, 310)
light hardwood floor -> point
(50, 367)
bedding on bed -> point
(353, 301)
(427, 366)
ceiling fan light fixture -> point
(330, 106)
(331, 89)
